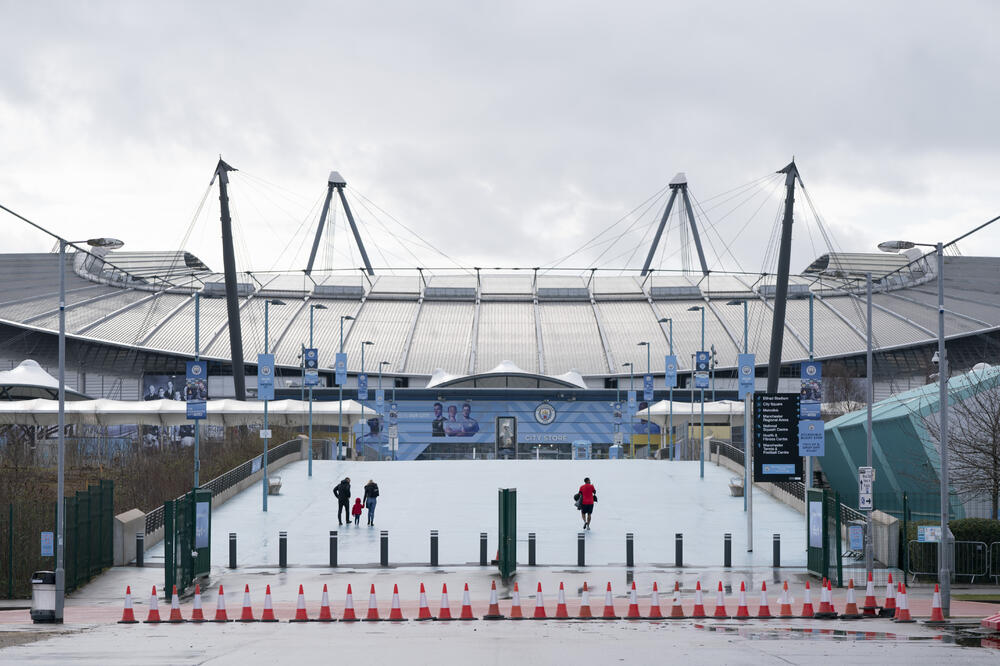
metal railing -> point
(972, 559)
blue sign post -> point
(340, 368)
(812, 435)
(633, 405)
(265, 376)
(670, 374)
(701, 360)
(196, 389)
(379, 401)
(745, 364)
(362, 386)
(47, 544)
(311, 366)
(647, 387)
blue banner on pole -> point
(670, 376)
(340, 367)
(311, 363)
(812, 440)
(362, 386)
(745, 364)
(811, 396)
(47, 544)
(617, 414)
(379, 400)
(647, 387)
(632, 403)
(701, 360)
(393, 414)
(265, 376)
(196, 389)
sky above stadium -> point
(499, 134)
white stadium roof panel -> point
(442, 338)
(177, 333)
(80, 316)
(506, 333)
(615, 285)
(387, 324)
(396, 284)
(570, 339)
(626, 324)
(326, 330)
(491, 283)
(131, 326)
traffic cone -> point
(466, 613)
(764, 610)
(807, 604)
(175, 608)
(903, 607)
(655, 613)
(396, 613)
(699, 603)
(196, 613)
(742, 612)
(268, 614)
(349, 615)
(515, 605)
(937, 615)
(890, 598)
(561, 612)
(425, 611)
(786, 604)
(300, 608)
(825, 607)
(829, 596)
(851, 607)
(444, 611)
(585, 612)
(493, 613)
(247, 614)
(720, 604)
(220, 607)
(153, 617)
(609, 605)
(633, 605)
(871, 606)
(372, 607)
(539, 604)
(324, 607)
(676, 609)
(128, 615)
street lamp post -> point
(340, 407)
(649, 434)
(312, 308)
(267, 440)
(364, 344)
(701, 447)
(379, 416)
(747, 472)
(672, 453)
(630, 433)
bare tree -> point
(842, 389)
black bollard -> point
(727, 551)
(531, 549)
(483, 557)
(434, 548)
(232, 550)
(282, 550)
(385, 548)
(776, 546)
(333, 548)
(581, 553)
(140, 548)
(678, 549)
(629, 549)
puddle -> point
(957, 638)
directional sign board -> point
(701, 360)
(776, 437)
(866, 481)
(311, 366)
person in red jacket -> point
(356, 510)
(588, 496)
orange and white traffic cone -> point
(633, 605)
(870, 609)
(890, 598)
(493, 612)
(742, 612)
(324, 607)
(466, 613)
(349, 615)
(220, 607)
(825, 606)
(197, 615)
(372, 615)
(300, 608)
(937, 615)
(175, 608)
(764, 610)
(699, 603)
(515, 605)
(153, 616)
(720, 604)
(807, 604)
(425, 612)
(609, 605)
(268, 614)
(785, 610)
(561, 612)
(396, 613)
(247, 614)
(829, 596)
(676, 608)
(851, 606)
(128, 615)
(655, 613)
(444, 611)
(903, 606)
(585, 612)
(539, 604)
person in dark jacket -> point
(371, 495)
(342, 491)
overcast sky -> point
(504, 133)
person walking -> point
(371, 496)
(342, 491)
(356, 510)
(588, 496)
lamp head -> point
(275, 301)
(695, 308)
(317, 306)
(895, 245)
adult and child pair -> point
(342, 491)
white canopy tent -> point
(292, 413)
(729, 412)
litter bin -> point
(43, 596)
